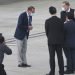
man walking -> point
(54, 28)
(21, 34)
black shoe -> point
(24, 65)
(20, 65)
(68, 72)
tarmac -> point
(37, 53)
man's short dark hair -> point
(69, 15)
(52, 10)
(31, 7)
(66, 3)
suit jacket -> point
(69, 28)
(54, 30)
(22, 27)
(63, 14)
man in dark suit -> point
(69, 44)
(21, 34)
(65, 10)
(54, 28)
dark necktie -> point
(30, 20)
(30, 24)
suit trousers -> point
(58, 50)
(22, 49)
(70, 54)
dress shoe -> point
(68, 72)
(24, 65)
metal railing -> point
(30, 36)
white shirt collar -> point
(53, 15)
(69, 10)
(27, 14)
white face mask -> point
(32, 14)
(63, 9)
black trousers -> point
(58, 50)
(70, 55)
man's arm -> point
(46, 28)
(7, 50)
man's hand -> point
(30, 27)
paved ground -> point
(37, 53)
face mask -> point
(32, 14)
(63, 9)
